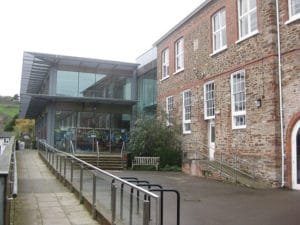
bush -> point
(151, 137)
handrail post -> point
(131, 206)
(94, 197)
(65, 171)
(71, 175)
(113, 203)
(146, 212)
(121, 200)
(81, 184)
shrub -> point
(151, 137)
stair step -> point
(107, 162)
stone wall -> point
(259, 142)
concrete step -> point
(107, 162)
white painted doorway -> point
(211, 140)
(296, 156)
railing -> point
(233, 161)
(8, 181)
(111, 199)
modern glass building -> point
(79, 104)
(147, 84)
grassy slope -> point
(8, 110)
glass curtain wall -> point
(147, 94)
(91, 131)
(79, 84)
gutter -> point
(280, 94)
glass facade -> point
(147, 93)
(79, 84)
(91, 131)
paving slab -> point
(42, 199)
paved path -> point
(43, 200)
(210, 202)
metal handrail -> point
(96, 169)
(15, 175)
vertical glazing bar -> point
(113, 203)
(146, 210)
(94, 197)
(81, 184)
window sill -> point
(246, 37)
(209, 118)
(292, 19)
(178, 71)
(187, 132)
(239, 127)
(165, 78)
(218, 51)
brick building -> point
(219, 78)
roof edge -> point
(187, 18)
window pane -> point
(67, 83)
(253, 20)
(243, 6)
(86, 80)
(252, 4)
(295, 7)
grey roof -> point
(192, 14)
(36, 68)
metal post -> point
(113, 203)
(71, 178)
(65, 171)
(131, 206)
(52, 160)
(56, 166)
(94, 197)
(121, 200)
(81, 184)
(137, 202)
(60, 167)
(146, 214)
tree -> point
(151, 137)
(9, 127)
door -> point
(211, 140)
(296, 156)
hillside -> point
(9, 107)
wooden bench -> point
(145, 161)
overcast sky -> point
(105, 29)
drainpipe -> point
(280, 93)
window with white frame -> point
(179, 55)
(294, 9)
(169, 110)
(165, 63)
(209, 100)
(238, 99)
(219, 30)
(247, 18)
(187, 108)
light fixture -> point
(258, 103)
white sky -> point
(105, 29)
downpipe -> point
(280, 94)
